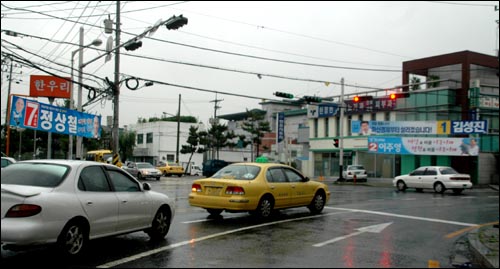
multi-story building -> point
(157, 141)
(461, 87)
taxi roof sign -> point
(261, 159)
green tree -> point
(415, 81)
(257, 127)
(432, 81)
(127, 145)
(193, 145)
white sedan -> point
(439, 178)
(355, 171)
(69, 202)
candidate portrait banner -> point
(423, 127)
(445, 146)
(31, 114)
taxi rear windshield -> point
(243, 172)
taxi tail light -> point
(196, 187)
(23, 210)
(235, 190)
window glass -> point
(431, 172)
(93, 178)
(245, 172)
(292, 175)
(34, 174)
(275, 175)
(122, 182)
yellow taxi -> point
(168, 169)
(259, 188)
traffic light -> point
(314, 99)
(336, 142)
(133, 45)
(175, 23)
(395, 96)
(284, 95)
(357, 98)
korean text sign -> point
(423, 127)
(447, 146)
(43, 117)
(50, 86)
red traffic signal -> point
(357, 98)
(336, 142)
(394, 96)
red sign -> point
(50, 86)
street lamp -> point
(173, 23)
(96, 42)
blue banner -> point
(451, 146)
(43, 117)
(281, 127)
(419, 127)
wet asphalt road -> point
(360, 227)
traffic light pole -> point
(341, 130)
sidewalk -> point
(484, 245)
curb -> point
(482, 255)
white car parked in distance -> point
(439, 178)
(355, 171)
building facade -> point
(461, 87)
(157, 141)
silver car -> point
(68, 202)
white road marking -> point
(370, 229)
(402, 216)
(195, 240)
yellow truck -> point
(103, 156)
(170, 169)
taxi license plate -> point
(213, 191)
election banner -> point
(447, 146)
(454, 127)
(43, 117)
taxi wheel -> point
(317, 204)
(265, 207)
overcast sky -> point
(244, 48)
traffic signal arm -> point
(284, 95)
(357, 98)
(394, 96)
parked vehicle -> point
(439, 178)
(195, 170)
(69, 202)
(210, 167)
(355, 171)
(103, 156)
(142, 170)
(259, 188)
(168, 169)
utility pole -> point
(341, 130)
(215, 122)
(178, 131)
(7, 113)
(116, 108)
